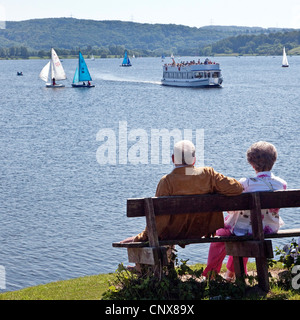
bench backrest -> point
(215, 202)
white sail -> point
(45, 72)
(284, 59)
(58, 70)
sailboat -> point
(53, 71)
(126, 62)
(82, 74)
(285, 62)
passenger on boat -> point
(53, 82)
(190, 63)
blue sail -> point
(84, 74)
(126, 61)
(76, 76)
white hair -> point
(184, 152)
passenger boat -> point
(192, 74)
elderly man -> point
(186, 179)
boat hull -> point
(192, 84)
(58, 85)
(74, 85)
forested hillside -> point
(104, 38)
(271, 44)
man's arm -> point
(226, 185)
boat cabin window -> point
(215, 75)
(198, 75)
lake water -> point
(61, 209)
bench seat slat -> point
(284, 234)
(281, 234)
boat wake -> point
(118, 79)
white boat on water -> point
(53, 71)
(192, 74)
(285, 62)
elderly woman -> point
(261, 156)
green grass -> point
(84, 288)
(93, 287)
(294, 51)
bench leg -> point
(262, 273)
(239, 270)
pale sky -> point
(194, 13)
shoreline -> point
(120, 57)
(92, 287)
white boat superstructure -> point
(192, 74)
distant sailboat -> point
(126, 62)
(284, 59)
(82, 74)
(53, 71)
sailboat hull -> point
(77, 85)
(285, 66)
(58, 85)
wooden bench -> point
(257, 245)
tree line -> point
(15, 53)
(103, 52)
(271, 44)
(111, 39)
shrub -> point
(289, 255)
(179, 283)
